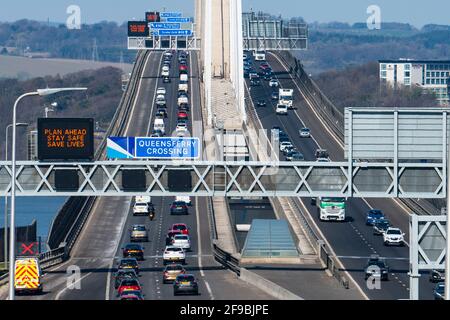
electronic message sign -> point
(65, 139)
(138, 29)
(152, 16)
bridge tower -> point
(219, 22)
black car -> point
(274, 95)
(261, 103)
(166, 80)
(380, 226)
(129, 264)
(133, 250)
(439, 291)
(157, 133)
(162, 113)
(184, 107)
(178, 207)
(124, 274)
(437, 275)
(288, 150)
(185, 284)
(170, 236)
(376, 268)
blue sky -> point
(416, 12)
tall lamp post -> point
(5, 234)
(12, 233)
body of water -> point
(41, 209)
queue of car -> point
(178, 242)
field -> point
(27, 68)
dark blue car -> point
(373, 216)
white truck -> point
(286, 97)
(330, 208)
(183, 84)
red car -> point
(128, 285)
(183, 69)
(181, 227)
(182, 115)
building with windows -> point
(432, 75)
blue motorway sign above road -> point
(180, 32)
(170, 14)
(153, 148)
(165, 25)
(180, 20)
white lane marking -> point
(396, 201)
(137, 95)
(108, 277)
(124, 218)
(199, 249)
(333, 253)
(154, 96)
(307, 102)
(63, 290)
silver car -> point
(305, 132)
(139, 233)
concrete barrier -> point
(267, 286)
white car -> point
(140, 208)
(281, 109)
(182, 241)
(305, 132)
(174, 254)
(165, 73)
(284, 145)
(161, 91)
(393, 236)
(186, 200)
(181, 127)
(273, 83)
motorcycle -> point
(151, 215)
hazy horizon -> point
(418, 13)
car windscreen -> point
(185, 278)
(133, 247)
(173, 249)
(129, 282)
(181, 237)
(394, 232)
(138, 228)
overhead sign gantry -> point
(162, 31)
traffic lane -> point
(393, 212)
(290, 125)
(305, 112)
(391, 208)
(353, 238)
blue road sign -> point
(165, 25)
(170, 14)
(153, 148)
(179, 32)
(167, 148)
(181, 20)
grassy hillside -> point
(99, 102)
(360, 87)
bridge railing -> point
(71, 218)
(334, 118)
(226, 259)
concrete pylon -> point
(221, 46)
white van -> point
(165, 71)
(159, 125)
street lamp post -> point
(12, 233)
(5, 233)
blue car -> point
(373, 216)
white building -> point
(430, 75)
